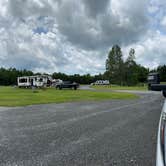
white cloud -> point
(74, 36)
(163, 21)
(150, 52)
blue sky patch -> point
(40, 30)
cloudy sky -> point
(74, 36)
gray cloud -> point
(111, 22)
(26, 8)
(114, 23)
(95, 7)
(74, 36)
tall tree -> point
(134, 73)
(131, 58)
(142, 73)
(114, 65)
(131, 75)
(162, 71)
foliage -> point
(9, 76)
(162, 71)
(124, 72)
(82, 79)
(114, 65)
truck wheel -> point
(75, 88)
(164, 93)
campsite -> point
(82, 83)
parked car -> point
(67, 84)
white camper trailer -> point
(101, 82)
(36, 81)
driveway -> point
(107, 133)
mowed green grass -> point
(116, 87)
(163, 83)
(10, 96)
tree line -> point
(118, 71)
(9, 76)
(128, 72)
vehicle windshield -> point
(67, 82)
(150, 78)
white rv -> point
(101, 82)
(37, 81)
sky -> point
(75, 36)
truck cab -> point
(154, 83)
(153, 78)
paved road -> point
(86, 87)
(109, 133)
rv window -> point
(23, 80)
(40, 80)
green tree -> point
(134, 73)
(131, 74)
(115, 65)
(162, 71)
(142, 74)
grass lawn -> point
(163, 83)
(10, 96)
(116, 87)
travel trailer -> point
(101, 82)
(34, 81)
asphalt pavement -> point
(105, 133)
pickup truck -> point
(67, 84)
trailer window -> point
(23, 80)
(40, 80)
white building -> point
(37, 81)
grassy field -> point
(116, 87)
(163, 83)
(10, 96)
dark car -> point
(67, 84)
